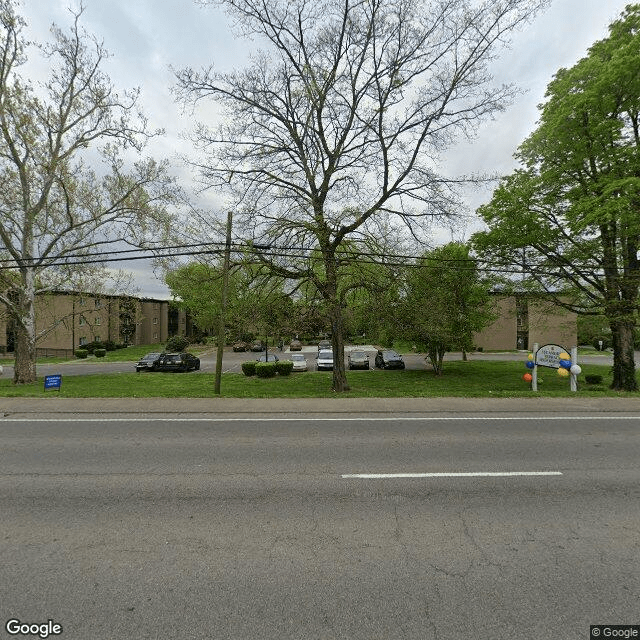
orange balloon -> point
(527, 377)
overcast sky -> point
(146, 37)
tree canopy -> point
(570, 216)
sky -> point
(147, 38)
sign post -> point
(53, 382)
(555, 357)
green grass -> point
(460, 379)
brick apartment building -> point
(76, 319)
(524, 321)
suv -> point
(325, 360)
(388, 359)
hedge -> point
(249, 368)
(284, 367)
(265, 369)
(100, 353)
(81, 353)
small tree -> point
(446, 302)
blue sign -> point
(53, 382)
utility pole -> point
(223, 304)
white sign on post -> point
(549, 356)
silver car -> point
(325, 361)
(299, 362)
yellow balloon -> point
(565, 356)
(530, 356)
(563, 373)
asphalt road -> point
(231, 526)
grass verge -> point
(461, 379)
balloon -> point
(576, 369)
(530, 364)
(563, 373)
(527, 377)
(565, 364)
(565, 356)
(530, 356)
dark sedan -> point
(148, 362)
(388, 359)
(178, 362)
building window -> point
(155, 335)
(83, 341)
(82, 321)
(98, 320)
(98, 303)
(155, 321)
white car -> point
(325, 360)
(299, 362)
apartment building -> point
(523, 321)
(70, 320)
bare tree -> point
(53, 205)
(343, 118)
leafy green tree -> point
(570, 217)
(446, 302)
(253, 306)
(341, 122)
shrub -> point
(110, 345)
(100, 353)
(265, 369)
(81, 353)
(593, 379)
(284, 367)
(177, 343)
(249, 368)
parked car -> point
(240, 346)
(324, 360)
(178, 362)
(268, 357)
(148, 362)
(295, 345)
(387, 359)
(325, 345)
(257, 345)
(299, 362)
(358, 360)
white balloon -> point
(576, 369)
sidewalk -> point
(319, 407)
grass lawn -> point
(460, 379)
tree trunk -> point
(23, 313)
(24, 371)
(339, 383)
(624, 370)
